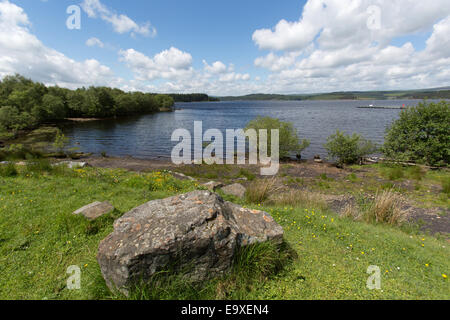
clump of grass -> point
(8, 170)
(253, 263)
(352, 177)
(388, 207)
(246, 174)
(260, 190)
(302, 198)
(398, 172)
(324, 177)
(415, 173)
(446, 186)
(295, 181)
(262, 260)
(395, 173)
(39, 166)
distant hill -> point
(436, 93)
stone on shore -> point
(95, 210)
(72, 164)
(197, 233)
(212, 185)
(236, 189)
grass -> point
(325, 257)
(260, 190)
(387, 207)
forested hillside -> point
(25, 104)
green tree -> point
(53, 108)
(12, 119)
(421, 135)
(289, 140)
(348, 149)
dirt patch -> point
(129, 163)
(431, 220)
(311, 169)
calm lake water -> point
(149, 136)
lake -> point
(149, 136)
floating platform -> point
(374, 107)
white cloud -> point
(168, 64)
(333, 47)
(120, 22)
(216, 68)
(92, 42)
(21, 52)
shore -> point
(338, 188)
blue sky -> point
(210, 30)
(287, 46)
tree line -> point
(192, 97)
(25, 104)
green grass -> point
(328, 256)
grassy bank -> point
(40, 239)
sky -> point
(228, 47)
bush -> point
(446, 186)
(420, 135)
(289, 141)
(348, 149)
(8, 170)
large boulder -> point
(197, 232)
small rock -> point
(236, 189)
(318, 160)
(95, 210)
(72, 164)
(181, 176)
(213, 186)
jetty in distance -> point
(371, 106)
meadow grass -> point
(326, 257)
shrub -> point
(446, 186)
(60, 142)
(289, 141)
(39, 166)
(348, 149)
(8, 170)
(420, 135)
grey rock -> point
(95, 210)
(212, 185)
(181, 176)
(72, 164)
(236, 189)
(197, 233)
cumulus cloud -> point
(216, 68)
(22, 52)
(94, 42)
(168, 64)
(120, 22)
(175, 67)
(348, 45)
